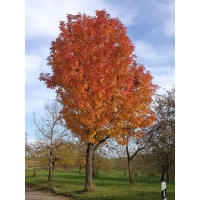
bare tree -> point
(36, 152)
(163, 141)
(51, 130)
(27, 146)
(136, 145)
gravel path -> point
(31, 194)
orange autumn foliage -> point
(103, 90)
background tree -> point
(80, 155)
(66, 155)
(148, 163)
(101, 159)
(34, 153)
(27, 146)
(51, 130)
(136, 142)
(97, 80)
(163, 141)
(27, 151)
(37, 153)
(118, 153)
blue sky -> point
(150, 26)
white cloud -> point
(164, 76)
(128, 18)
(32, 63)
(159, 60)
(145, 51)
(36, 92)
(166, 11)
(154, 55)
(42, 17)
(170, 22)
(37, 97)
(35, 63)
(170, 27)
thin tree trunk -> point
(65, 168)
(50, 167)
(125, 169)
(89, 156)
(130, 157)
(167, 167)
(53, 166)
(131, 181)
(150, 175)
(162, 177)
(130, 172)
(34, 172)
(79, 169)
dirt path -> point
(31, 194)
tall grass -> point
(109, 186)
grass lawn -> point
(109, 186)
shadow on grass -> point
(122, 181)
(108, 186)
(80, 192)
(136, 196)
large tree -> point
(98, 81)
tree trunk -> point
(89, 156)
(34, 172)
(167, 167)
(130, 172)
(53, 165)
(162, 177)
(65, 168)
(131, 181)
(125, 169)
(79, 169)
(50, 167)
(150, 175)
(142, 174)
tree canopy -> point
(97, 79)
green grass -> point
(109, 186)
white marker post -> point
(163, 191)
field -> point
(112, 185)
